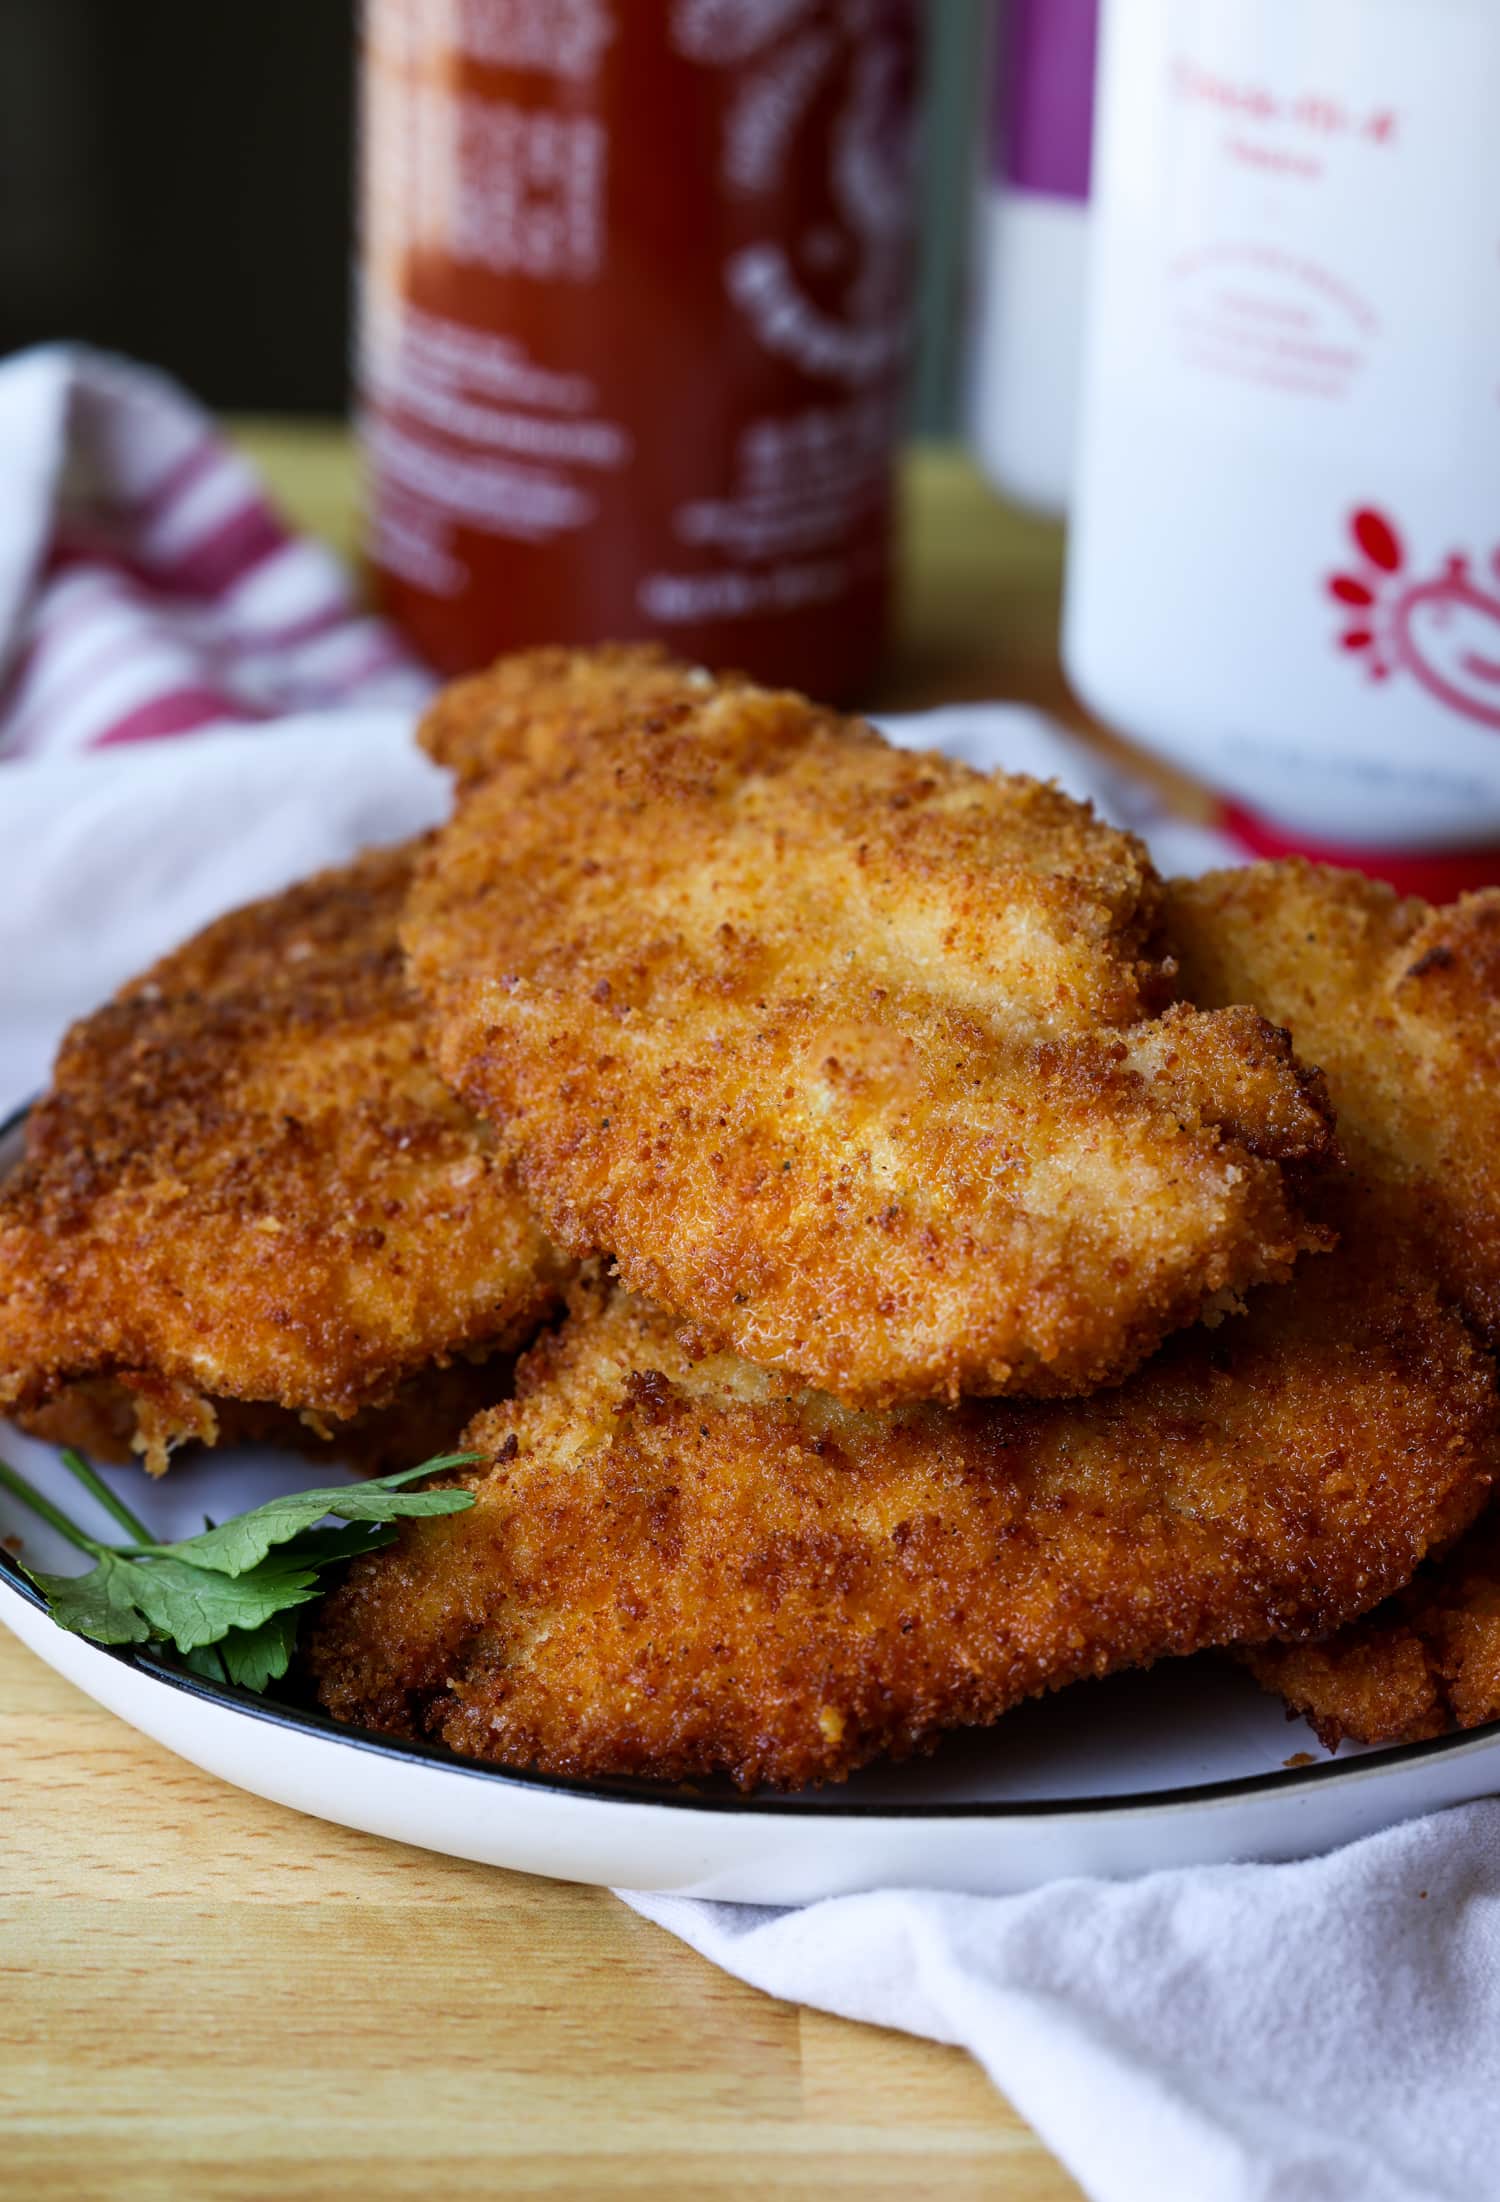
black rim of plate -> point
(684, 1797)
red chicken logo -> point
(1444, 630)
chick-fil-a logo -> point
(1442, 627)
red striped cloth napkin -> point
(147, 588)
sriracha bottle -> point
(635, 313)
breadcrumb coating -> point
(849, 1056)
(1425, 1662)
(543, 703)
(248, 1184)
(1400, 1004)
(677, 1567)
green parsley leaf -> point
(172, 1602)
(100, 1604)
(243, 1542)
(228, 1599)
(254, 1657)
(321, 1547)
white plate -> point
(1185, 1765)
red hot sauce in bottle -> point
(635, 306)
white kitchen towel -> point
(147, 587)
(1322, 2032)
(108, 861)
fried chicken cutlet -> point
(543, 703)
(679, 1568)
(1400, 1004)
(848, 1056)
(1425, 1662)
(248, 1185)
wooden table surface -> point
(209, 1999)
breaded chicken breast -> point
(848, 1056)
(1400, 1003)
(247, 1184)
(678, 1568)
(1424, 1662)
(542, 703)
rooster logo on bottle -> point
(1439, 627)
(835, 305)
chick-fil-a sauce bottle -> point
(1285, 563)
(636, 280)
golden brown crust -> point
(540, 703)
(102, 1418)
(248, 1184)
(1425, 1662)
(680, 1569)
(1400, 1004)
(846, 1054)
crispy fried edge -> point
(381, 1661)
(1428, 1660)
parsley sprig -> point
(228, 1598)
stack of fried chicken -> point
(954, 1262)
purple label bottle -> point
(1032, 242)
